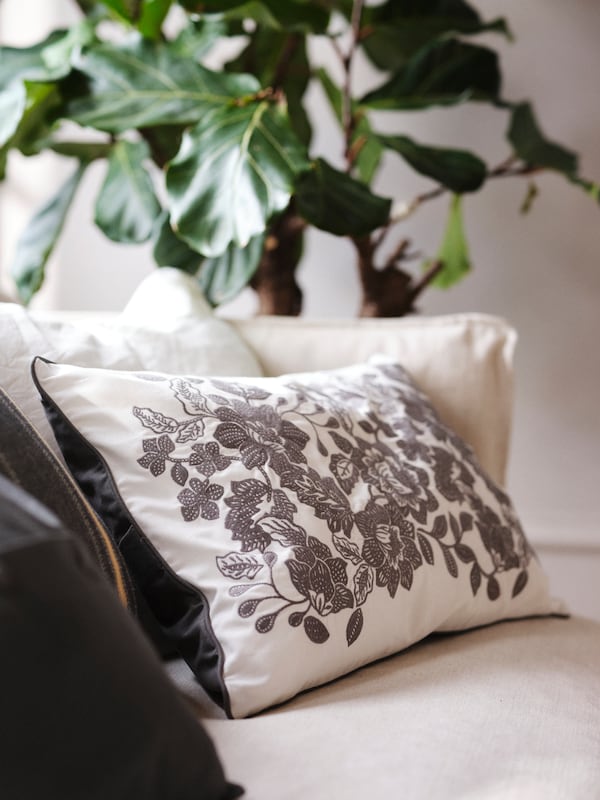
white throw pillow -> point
(167, 325)
(285, 531)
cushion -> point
(167, 325)
(86, 710)
(464, 362)
(322, 520)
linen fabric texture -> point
(87, 711)
(285, 531)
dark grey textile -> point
(87, 712)
(26, 461)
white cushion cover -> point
(323, 519)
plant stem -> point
(348, 120)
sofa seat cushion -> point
(507, 711)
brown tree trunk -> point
(275, 278)
(387, 292)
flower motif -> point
(320, 577)
(156, 453)
(259, 432)
(389, 545)
(409, 487)
(199, 500)
(207, 459)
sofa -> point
(420, 655)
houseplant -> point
(228, 150)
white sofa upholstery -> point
(508, 711)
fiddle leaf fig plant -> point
(216, 165)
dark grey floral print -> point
(397, 490)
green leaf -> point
(12, 106)
(370, 150)
(530, 144)
(40, 236)
(397, 29)
(41, 108)
(147, 15)
(458, 170)
(27, 63)
(235, 169)
(171, 251)
(82, 151)
(223, 277)
(279, 59)
(126, 206)
(289, 15)
(141, 84)
(198, 37)
(443, 73)
(454, 252)
(152, 16)
(335, 202)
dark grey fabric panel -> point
(26, 461)
(87, 712)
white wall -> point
(541, 272)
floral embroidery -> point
(396, 489)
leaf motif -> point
(179, 474)
(465, 553)
(440, 527)
(270, 559)
(454, 527)
(190, 431)
(283, 506)
(450, 562)
(363, 583)
(265, 623)
(239, 565)
(190, 397)
(237, 591)
(315, 630)
(466, 522)
(426, 549)
(283, 531)
(520, 583)
(493, 589)
(475, 578)
(347, 549)
(158, 466)
(354, 626)
(154, 420)
(341, 442)
(295, 619)
(247, 608)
